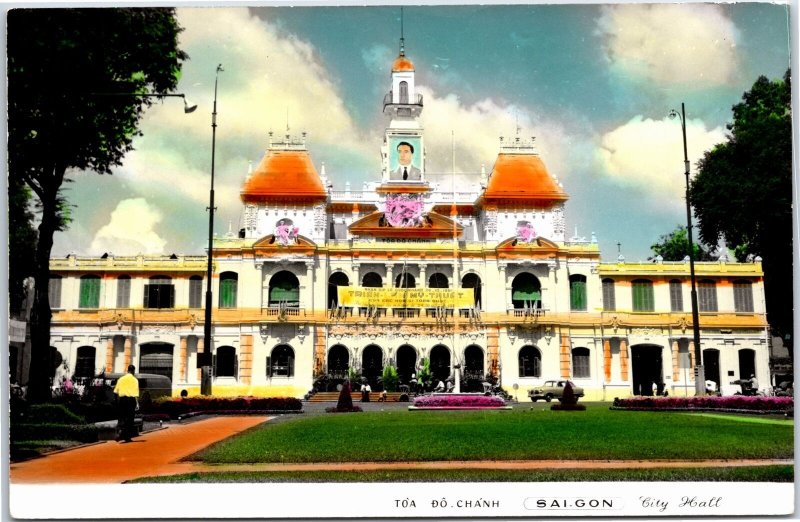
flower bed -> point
(175, 407)
(729, 403)
(457, 401)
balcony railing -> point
(526, 312)
(411, 100)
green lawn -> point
(743, 474)
(522, 433)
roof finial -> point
(402, 40)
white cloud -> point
(648, 155)
(130, 230)
(377, 58)
(476, 130)
(689, 44)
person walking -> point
(127, 391)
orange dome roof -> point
(284, 174)
(522, 176)
(402, 64)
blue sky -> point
(592, 83)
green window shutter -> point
(643, 300)
(526, 293)
(90, 292)
(577, 295)
(227, 293)
(285, 292)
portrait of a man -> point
(405, 169)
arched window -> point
(743, 296)
(280, 362)
(336, 280)
(89, 292)
(54, 291)
(196, 292)
(643, 300)
(225, 363)
(577, 293)
(609, 295)
(160, 293)
(84, 365)
(526, 291)
(228, 283)
(474, 282)
(123, 291)
(371, 280)
(438, 280)
(580, 363)
(676, 295)
(284, 288)
(403, 92)
(405, 280)
(707, 295)
(530, 362)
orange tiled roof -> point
(402, 64)
(522, 176)
(284, 174)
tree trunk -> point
(41, 368)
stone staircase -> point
(373, 397)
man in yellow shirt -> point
(127, 390)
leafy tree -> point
(675, 247)
(21, 240)
(743, 191)
(58, 62)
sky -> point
(594, 84)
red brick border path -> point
(159, 452)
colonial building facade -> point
(476, 281)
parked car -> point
(151, 385)
(553, 390)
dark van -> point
(151, 385)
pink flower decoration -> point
(403, 210)
(526, 233)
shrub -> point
(175, 407)
(345, 402)
(336, 409)
(52, 431)
(51, 414)
(458, 401)
(712, 402)
(390, 378)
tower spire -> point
(402, 40)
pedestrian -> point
(367, 391)
(127, 391)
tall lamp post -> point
(187, 107)
(699, 372)
(204, 359)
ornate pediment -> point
(271, 245)
(538, 246)
(431, 225)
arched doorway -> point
(156, 358)
(526, 291)
(473, 281)
(405, 280)
(406, 363)
(338, 362)
(336, 280)
(647, 368)
(473, 369)
(747, 363)
(372, 364)
(440, 363)
(284, 289)
(711, 366)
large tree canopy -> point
(61, 65)
(743, 191)
(675, 247)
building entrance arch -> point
(647, 369)
(473, 369)
(338, 362)
(406, 363)
(372, 364)
(440, 363)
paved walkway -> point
(159, 452)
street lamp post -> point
(699, 372)
(204, 359)
(187, 107)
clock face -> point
(404, 210)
